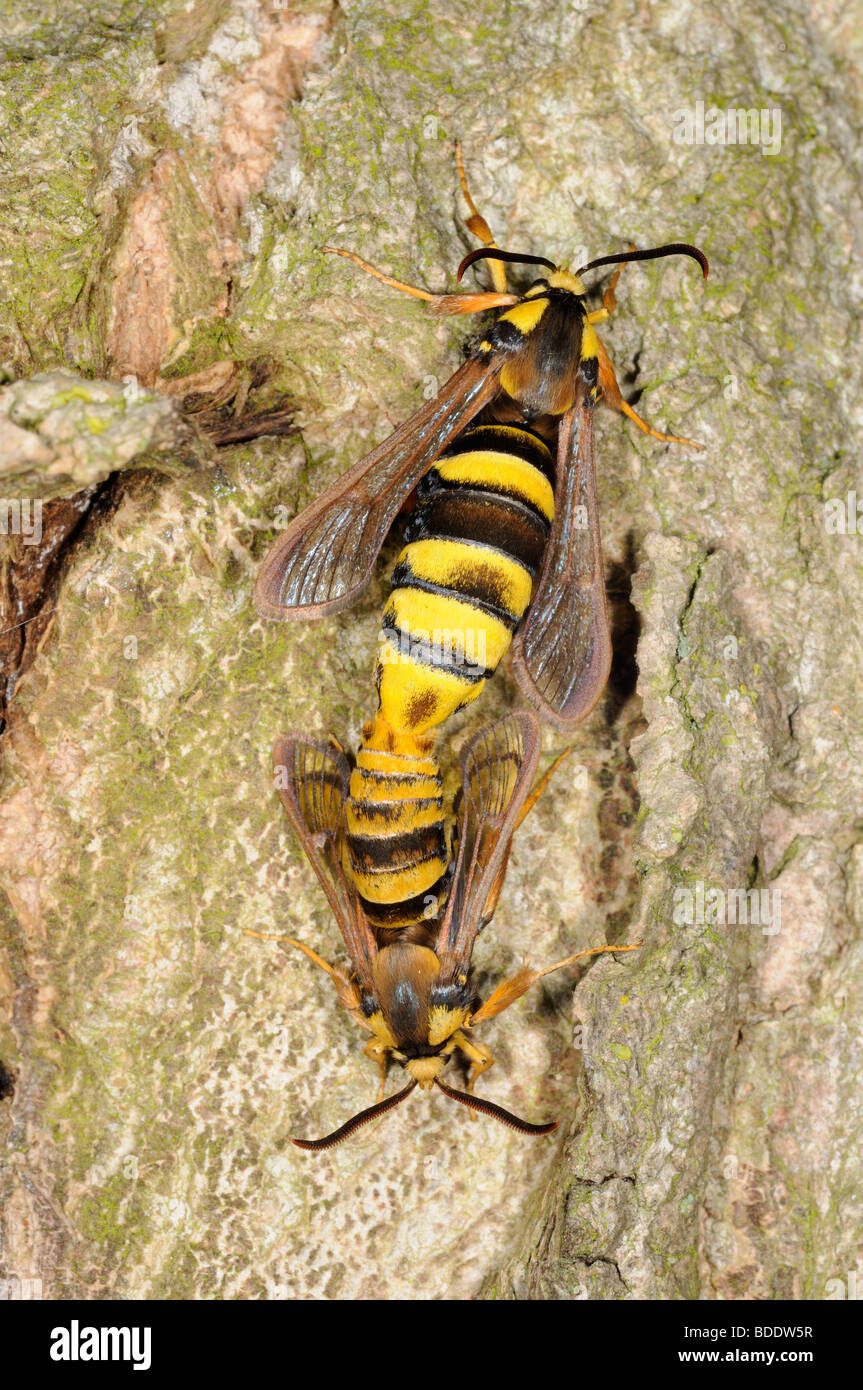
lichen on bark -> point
(160, 1057)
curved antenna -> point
(491, 253)
(346, 1130)
(488, 1107)
(673, 248)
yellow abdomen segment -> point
(461, 585)
(418, 697)
(394, 819)
(507, 472)
(467, 567)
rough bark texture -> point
(169, 175)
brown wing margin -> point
(498, 767)
(312, 780)
(325, 558)
(562, 652)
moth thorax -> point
(424, 1070)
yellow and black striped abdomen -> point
(460, 587)
(396, 829)
(464, 579)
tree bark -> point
(171, 174)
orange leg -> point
(379, 274)
(477, 224)
(349, 995)
(610, 390)
(477, 1054)
(449, 303)
(614, 400)
(306, 950)
(438, 303)
(509, 990)
(609, 298)
(378, 1052)
(541, 786)
(656, 434)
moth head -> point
(425, 1070)
(563, 279)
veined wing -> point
(498, 767)
(562, 650)
(325, 558)
(312, 780)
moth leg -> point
(306, 950)
(541, 786)
(378, 1052)
(614, 400)
(479, 1057)
(608, 381)
(379, 274)
(509, 990)
(609, 298)
(582, 955)
(439, 304)
(495, 891)
(349, 995)
(477, 224)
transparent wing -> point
(498, 767)
(325, 558)
(562, 650)
(312, 780)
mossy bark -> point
(155, 1057)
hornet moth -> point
(505, 455)
(411, 989)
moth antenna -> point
(491, 253)
(352, 1125)
(673, 248)
(497, 1112)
